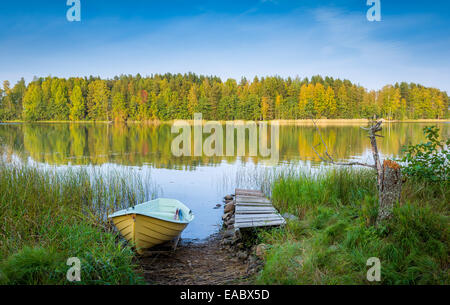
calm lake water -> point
(199, 182)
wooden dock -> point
(252, 209)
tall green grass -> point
(301, 192)
(335, 233)
(49, 215)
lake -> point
(198, 181)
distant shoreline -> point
(280, 122)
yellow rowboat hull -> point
(145, 232)
(152, 223)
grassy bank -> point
(51, 215)
(334, 234)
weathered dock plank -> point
(242, 192)
(252, 209)
(259, 224)
(255, 204)
(246, 217)
(252, 199)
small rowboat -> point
(151, 223)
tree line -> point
(177, 96)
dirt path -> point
(195, 263)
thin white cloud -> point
(321, 41)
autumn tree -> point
(11, 102)
(330, 101)
(266, 113)
(77, 106)
(306, 101)
(6, 102)
(192, 101)
(61, 106)
(320, 103)
(97, 100)
(119, 110)
(390, 101)
(342, 102)
(33, 108)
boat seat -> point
(167, 215)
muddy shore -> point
(204, 263)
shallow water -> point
(199, 182)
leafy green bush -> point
(430, 160)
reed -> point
(50, 214)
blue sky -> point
(229, 39)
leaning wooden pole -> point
(376, 157)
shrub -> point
(430, 160)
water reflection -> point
(137, 144)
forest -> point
(177, 96)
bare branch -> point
(329, 157)
(355, 163)
(373, 129)
(321, 139)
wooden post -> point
(390, 189)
